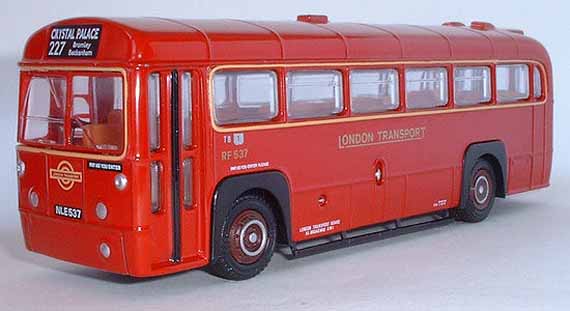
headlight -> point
(121, 182)
(34, 198)
(21, 168)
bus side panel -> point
(549, 140)
(519, 148)
(395, 200)
(428, 191)
(538, 146)
(359, 197)
(318, 217)
(421, 174)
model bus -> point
(149, 146)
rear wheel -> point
(248, 239)
(480, 193)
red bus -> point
(149, 146)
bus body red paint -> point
(329, 162)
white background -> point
(516, 260)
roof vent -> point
(453, 24)
(517, 31)
(313, 19)
(482, 26)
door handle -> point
(378, 175)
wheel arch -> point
(495, 153)
(273, 185)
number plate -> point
(69, 212)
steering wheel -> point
(76, 120)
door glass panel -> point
(154, 111)
(186, 101)
(187, 182)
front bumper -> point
(131, 250)
(75, 242)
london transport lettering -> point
(74, 41)
(380, 137)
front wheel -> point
(247, 241)
(480, 193)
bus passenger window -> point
(374, 90)
(426, 88)
(97, 112)
(472, 85)
(245, 96)
(314, 93)
(537, 83)
(512, 82)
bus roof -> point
(155, 40)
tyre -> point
(248, 239)
(479, 193)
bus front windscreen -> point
(79, 111)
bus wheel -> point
(480, 193)
(248, 239)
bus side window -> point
(374, 90)
(314, 93)
(537, 83)
(245, 96)
(472, 85)
(512, 83)
(426, 88)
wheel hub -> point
(253, 237)
(482, 189)
(482, 186)
(249, 237)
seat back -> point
(102, 136)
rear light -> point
(21, 168)
(155, 169)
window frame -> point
(277, 97)
(398, 86)
(344, 71)
(24, 113)
(528, 84)
(448, 67)
(342, 93)
(26, 77)
(92, 113)
(537, 70)
(492, 84)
